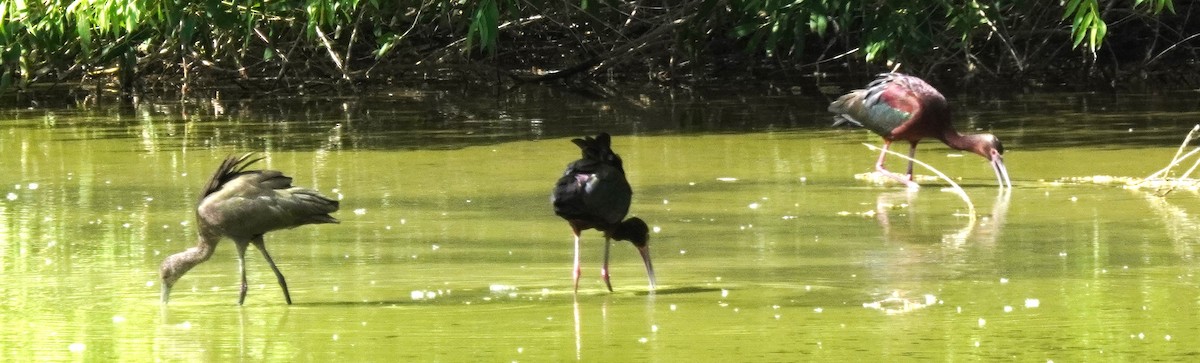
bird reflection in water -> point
(982, 232)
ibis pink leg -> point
(575, 275)
(912, 155)
(907, 180)
(604, 269)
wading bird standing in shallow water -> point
(243, 205)
(900, 107)
(593, 193)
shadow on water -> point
(678, 291)
(451, 116)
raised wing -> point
(248, 203)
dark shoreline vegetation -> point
(182, 49)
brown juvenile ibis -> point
(243, 205)
(901, 107)
(593, 193)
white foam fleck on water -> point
(982, 322)
(818, 310)
(360, 211)
(335, 337)
(1032, 303)
(117, 319)
(654, 328)
(1168, 337)
(753, 205)
(76, 347)
(666, 201)
(34, 186)
(12, 196)
(1008, 308)
(724, 293)
(657, 229)
(1003, 280)
(673, 307)
(727, 179)
(417, 295)
(185, 325)
(436, 247)
(643, 340)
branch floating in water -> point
(953, 186)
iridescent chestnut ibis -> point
(901, 107)
(243, 205)
(593, 193)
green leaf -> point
(746, 29)
(6, 80)
(83, 28)
(1077, 30)
(1072, 6)
(818, 24)
(187, 29)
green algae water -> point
(766, 246)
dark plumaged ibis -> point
(593, 193)
(243, 205)
(901, 107)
